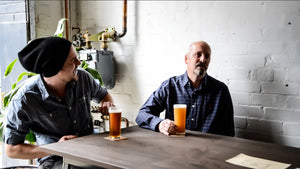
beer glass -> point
(180, 117)
(114, 122)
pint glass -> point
(179, 117)
(114, 122)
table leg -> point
(65, 165)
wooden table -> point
(148, 149)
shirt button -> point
(75, 121)
(192, 119)
(193, 106)
(50, 114)
(70, 108)
(194, 93)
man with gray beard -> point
(209, 104)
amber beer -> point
(114, 122)
(180, 117)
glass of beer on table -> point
(114, 122)
(179, 118)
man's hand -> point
(105, 103)
(67, 137)
(167, 127)
(104, 107)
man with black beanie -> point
(55, 104)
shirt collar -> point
(186, 82)
(43, 90)
(42, 87)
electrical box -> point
(103, 62)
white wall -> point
(255, 51)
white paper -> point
(257, 163)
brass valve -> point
(86, 36)
(109, 33)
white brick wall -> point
(255, 50)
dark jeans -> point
(54, 162)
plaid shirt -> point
(209, 108)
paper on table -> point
(257, 163)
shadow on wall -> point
(265, 107)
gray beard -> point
(200, 73)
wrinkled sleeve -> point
(97, 91)
(148, 116)
(17, 124)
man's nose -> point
(78, 62)
(202, 58)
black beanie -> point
(45, 56)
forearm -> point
(107, 98)
(148, 120)
(24, 151)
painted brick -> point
(240, 98)
(254, 135)
(262, 74)
(20, 17)
(15, 8)
(293, 102)
(284, 115)
(287, 88)
(291, 129)
(273, 34)
(263, 99)
(292, 49)
(282, 101)
(289, 141)
(270, 127)
(279, 75)
(234, 73)
(246, 61)
(262, 48)
(292, 73)
(6, 18)
(240, 122)
(244, 86)
(249, 111)
(263, 136)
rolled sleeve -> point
(16, 125)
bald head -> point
(204, 45)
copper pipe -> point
(120, 35)
(67, 16)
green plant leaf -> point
(84, 65)
(6, 100)
(30, 137)
(8, 96)
(60, 27)
(20, 77)
(13, 85)
(95, 74)
(10, 67)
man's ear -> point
(186, 58)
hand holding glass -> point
(180, 117)
(114, 122)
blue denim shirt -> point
(209, 108)
(49, 117)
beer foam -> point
(176, 106)
(114, 110)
